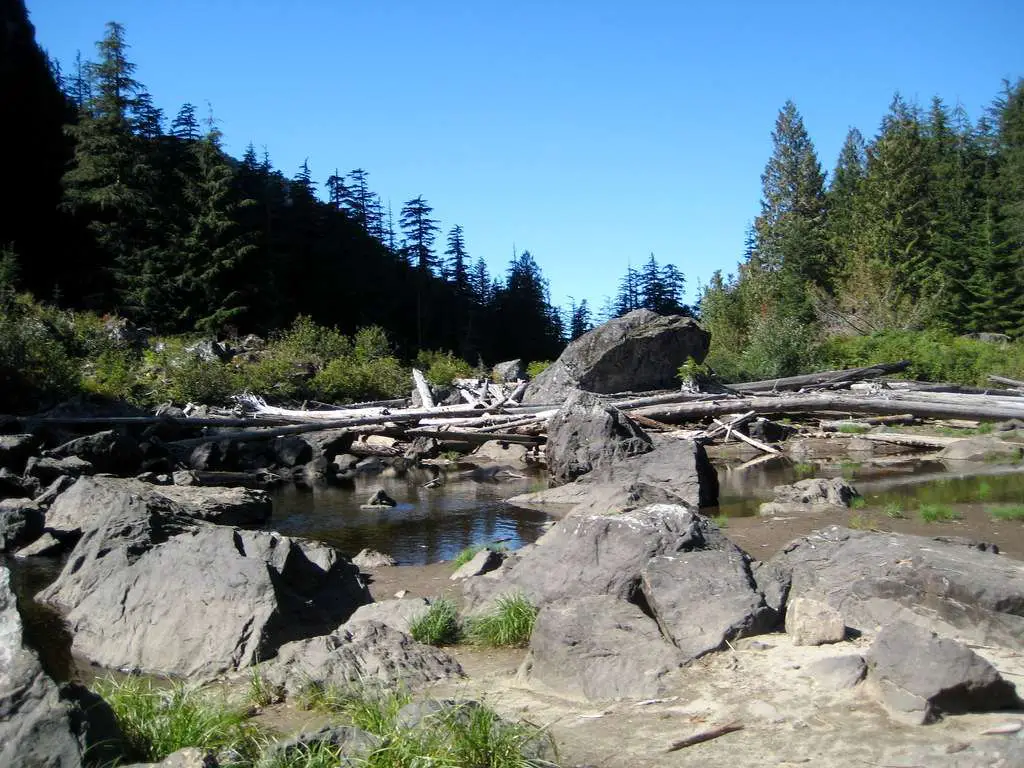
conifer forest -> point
(912, 238)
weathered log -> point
(922, 441)
(823, 378)
(474, 437)
(951, 389)
(748, 440)
(818, 403)
(426, 397)
(1008, 382)
(867, 421)
(720, 428)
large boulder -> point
(921, 676)
(36, 727)
(814, 495)
(108, 451)
(874, 578)
(90, 499)
(149, 587)
(598, 647)
(675, 472)
(361, 652)
(15, 450)
(585, 434)
(21, 522)
(638, 351)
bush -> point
(509, 624)
(201, 381)
(442, 368)
(35, 362)
(116, 373)
(157, 721)
(439, 625)
(352, 379)
(536, 368)
(779, 346)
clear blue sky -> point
(591, 133)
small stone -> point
(371, 558)
(379, 499)
(810, 622)
(484, 561)
(838, 673)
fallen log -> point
(1008, 382)
(720, 428)
(702, 736)
(867, 421)
(823, 378)
(818, 403)
(474, 437)
(748, 440)
(426, 398)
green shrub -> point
(353, 379)
(536, 368)
(306, 341)
(442, 368)
(779, 346)
(201, 381)
(510, 623)
(894, 511)
(157, 721)
(35, 362)
(439, 625)
(116, 373)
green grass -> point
(510, 623)
(439, 625)
(984, 490)
(894, 511)
(804, 469)
(261, 693)
(316, 755)
(157, 721)
(861, 522)
(854, 429)
(722, 521)
(858, 502)
(469, 553)
(1011, 513)
(460, 736)
(937, 513)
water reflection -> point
(427, 526)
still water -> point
(427, 526)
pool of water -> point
(427, 526)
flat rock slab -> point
(838, 673)
(398, 614)
(811, 622)
(484, 561)
(364, 652)
(599, 647)
(874, 578)
(921, 676)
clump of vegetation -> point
(938, 513)
(894, 511)
(510, 623)
(536, 368)
(722, 521)
(694, 374)
(442, 368)
(804, 469)
(861, 522)
(858, 502)
(157, 721)
(1014, 512)
(854, 429)
(440, 624)
(468, 553)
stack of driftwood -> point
(489, 411)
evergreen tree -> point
(185, 126)
(629, 295)
(419, 231)
(337, 191)
(672, 290)
(851, 168)
(456, 269)
(580, 321)
(529, 326)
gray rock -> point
(676, 472)
(422, 448)
(364, 652)
(369, 559)
(13, 486)
(704, 598)
(398, 614)
(86, 503)
(585, 434)
(47, 469)
(811, 622)
(921, 676)
(15, 450)
(53, 490)
(873, 578)
(21, 522)
(509, 371)
(329, 443)
(638, 351)
(505, 453)
(484, 561)
(352, 743)
(209, 351)
(981, 449)
(597, 555)
(291, 451)
(838, 673)
(149, 587)
(219, 455)
(835, 491)
(108, 451)
(379, 498)
(36, 729)
(45, 546)
(599, 647)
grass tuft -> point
(1011, 513)
(858, 502)
(894, 511)
(722, 521)
(861, 522)
(157, 721)
(854, 429)
(509, 624)
(469, 553)
(439, 625)
(938, 513)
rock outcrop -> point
(874, 578)
(638, 351)
(150, 587)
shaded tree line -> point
(122, 211)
